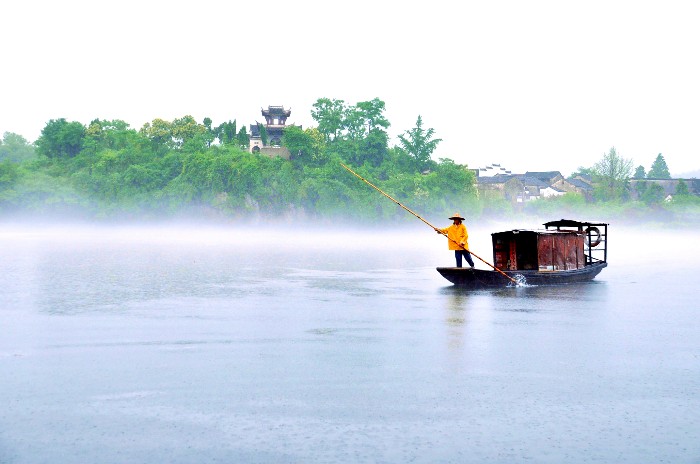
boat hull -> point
(479, 278)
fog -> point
(273, 234)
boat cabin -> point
(562, 246)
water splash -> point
(520, 281)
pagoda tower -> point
(275, 122)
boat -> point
(564, 252)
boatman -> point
(457, 239)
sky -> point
(535, 85)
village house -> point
(559, 183)
(514, 187)
(495, 180)
(582, 185)
(670, 186)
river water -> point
(270, 345)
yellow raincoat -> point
(456, 233)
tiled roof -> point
(543, 174)
(579, 183)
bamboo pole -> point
(419, 217)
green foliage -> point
(612, 175)
(653, 194)
(639, 173)
(371, 114)
(373, 147)
(641, 187)
(682, 188)
(168, 168)
(583, 172)
(181, 134)
(14, 147)
(109, 135)
(186, 132)
(686, 200)
(357, 134)
(300, 143)
(209, 135)
(419, 144)
(10, 173)
(36, 192)
(243, 139)
(494, 204)
(329, 115)
(61, 139)
(159, 133)
(263, 134)
(659, 169)
(226, 132)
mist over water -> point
(197, 343)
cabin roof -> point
(572, 223)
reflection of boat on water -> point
(566, 251)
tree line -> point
(186, 168)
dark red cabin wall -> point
(571, 252)
(505, 251)
(500, 252)
(545, 247)
(580, 258)
(543, 251)
(558, 252)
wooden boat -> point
(565, 252)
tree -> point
(372, 114)
(159, 132)
(329, 114)
(419, 144)
(102, 134)
(353, 124)
(61, 139)
(641, 187)
(639, 173)
(243, 139)
(368, 125)
(374, 146)
(653, 194)
(659, 169)
(263, 134)
(210, 136)
(682, 188)
(226, 132)
(586, 173)
(9, 173)
(14, 147)
(183, 132)
(187, 129)
(298, 142)
(612, 174)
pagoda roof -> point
(276, 111)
